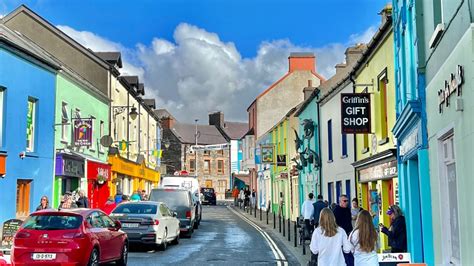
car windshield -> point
(172, 198)
(52, 222)
(136, 208)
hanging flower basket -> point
(101, 179)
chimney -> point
(386, 13)
(307, 91)
(302, 61)
(340, 67)
(216, 119)
(167, 122)
(354, 53)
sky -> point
(197, 57)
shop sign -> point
(394, 258)
(267, 153)
(450, 87)
(98, 171)
(82, 132)
(382, 171)
(284, 175)
(73, 168)
(355, 113)
(281, 160)
(409, 142)
(9, 230)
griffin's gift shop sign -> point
(355, 113)
(82, 132)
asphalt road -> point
(223, 238)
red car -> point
(69, 237)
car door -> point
(165, 219)
(173, 221)
(101, 232)
(114, 242)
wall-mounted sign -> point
(82, 132)
(10, 227)
(355, 113)
(378, 172)
(73, 168)
(450, 86)
(409, 142)
(267, 153)
(98, 171)
(281, 160)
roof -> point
(113, 58)
(235, 130)
(208, 134)
(163, 113)
(299, 54)
(26, 46)
(131, 80)
(150, 103)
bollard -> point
(304, 247)
(267, 216)
(274, 221)
(279, 223)
(255, 211)
(296, 237)
(250, 209)
(283, 221)
(261, 214)
(289, 235)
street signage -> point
(355, 113)
(10, 228)
(267, 153)
(82, 132)
(281, 160)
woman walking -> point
(328, 239)
(44, 204)
(364, 240)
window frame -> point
(220, 170)
(31, 146)
(330, 147)
(208, 170)
(101, 134)
(64, 122)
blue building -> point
(27, 96)
(411, 133)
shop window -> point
(192, 165)
(220, 166)
(221, 186)
(207, 166)
(348, 190)
(23, 188)
(338, 191)
(329, 140)
(31, 125)
(382, 88)
(64, 122)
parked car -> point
(181, 202)
(73, 236)
(148, 222)
(190, 183)
(209, 196)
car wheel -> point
(176, 240)
(94, 258)
(124, 257)
(164, 242)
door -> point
(114, 241)
(166, 221)
(99, 229)
(23, 188)
(391, 193)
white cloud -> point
(198, 73)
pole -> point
(195, 151)
(283, 221)
(260, 213)
(279, 222)
(289, 237)
(255, 210)
(274, 221)
(296, 237)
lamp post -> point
(116, 110)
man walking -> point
(82, 202)
(343, 215)
(235, 195)
(318, 206)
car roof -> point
(76, 211)
(171, 189)
(147, 202)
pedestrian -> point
(67, 202)
(355, 210)
(118, 197)
(44, 204)
(317, 208)
(109, 205)
(235, 195)
(282, 202)
(82, 201)
(253, 198)
(125, 199)
(363, 240)
(241, 197)
(135, 196)
(143, 195)
(247, 197)
(328, 239)
(342, 212)
(307, 211)
(397, 234)
(333, 206)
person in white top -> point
(307, 209)
(363, 240)
(329, 241)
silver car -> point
(148, 222)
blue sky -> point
(245, 33)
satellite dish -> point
(106, 141)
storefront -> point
(69, 171)
(98, 176)
(378, 187)
(128, 176)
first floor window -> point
(207, 166)
(192, 165)
(220, 166)
(221, 186)
(23, 188)
(64, 122)
(31, 125)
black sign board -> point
(10, 228)
(355, 113)
(73, 168)
(281, 160)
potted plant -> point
(101, 179)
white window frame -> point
(101, 134)
(64, 121)
(93, 143)
(31, 146)
(2, 106)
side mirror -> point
(117, 224)
(175, 214)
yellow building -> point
(376, 161)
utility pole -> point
(195, 151)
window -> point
(220, 152)
(206, 152)
(220, 166)
(93, 142)
(344, 145)
(382, 88)
(437, 12)
(192, 165)
(64, 121)
(31, 125)
(207, 166)
(107, 222)
(101, 134)
(23, 188)
(221, 186)
(330, 140)
(330, 192)
(123, 132)
(2, 92)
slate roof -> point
(208, 134)
(235, 130)
(131, 80)
(113, 58)
(150, 103)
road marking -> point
(280, 258)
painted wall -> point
(23, 79)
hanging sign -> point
(355, 113)
(281, 160)
(267, 153)
(82, 132)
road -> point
(223, 238)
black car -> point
(181, 202)
(209, 196)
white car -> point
(148, 222)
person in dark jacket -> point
(118, 197)
(318, 206)
(397, 234)
(44, 204)
(343, 214)
(82, 202)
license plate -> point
(130, 225)
(44, 256)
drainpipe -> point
(351, 78)
(320, 177)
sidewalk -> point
(282, 241)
